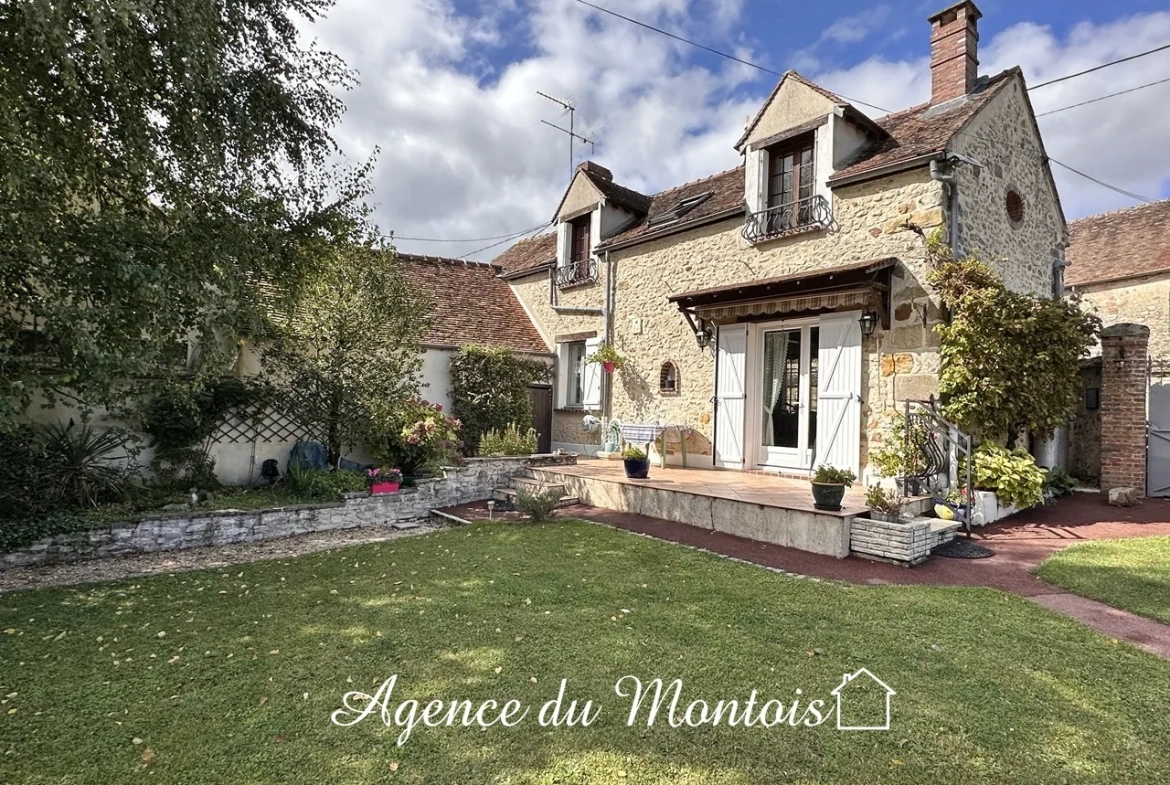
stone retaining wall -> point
(908, 543)
(176, 531)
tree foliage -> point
(159, 159)
(346, 357)
(489, 390)
(1010, 362)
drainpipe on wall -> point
(943, 171)
(607, 320)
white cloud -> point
(463, 152)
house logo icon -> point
(876, 692)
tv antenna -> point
(571, 110)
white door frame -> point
(756, 455)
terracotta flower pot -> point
(383, 487)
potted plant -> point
(636, 462)
(383, 480)
(828, 487)
(883, 505)
(608, 356)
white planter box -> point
(988, 509)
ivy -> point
(489, 390)
(1009, 360)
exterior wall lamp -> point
(868, 322)
(703, 336)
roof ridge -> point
(442, 259)
(1120, 210)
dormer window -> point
(788, 200)
(579, 266)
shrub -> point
(632, 453)
(831, 476)
(537, 505)
(326, 484)
(419, 437)
(489, 390)
(84, 466)
(24, 484)
(510, 442)
(897, 456)
(877, 498)
(1012, 474)
(1057, 483)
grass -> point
(231, 675)
(1131, 574)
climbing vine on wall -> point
(1010, 361)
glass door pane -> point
(780, 426)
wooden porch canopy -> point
(850, 286)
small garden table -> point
(646, 433)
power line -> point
(883, 109)
(1104, 184)
(465, 240)
(506, 239)
(1099, 67)
(1103, 97)
(679, 38)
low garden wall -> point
(907, 542)
(194, 529)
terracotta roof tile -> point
(921, 130)
(471, 304)
(1119, 244)
(528, 254)
(726, 189)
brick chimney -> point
(597, 170)
(954, 51)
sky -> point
(447, 103)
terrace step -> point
(939, 526)
(509, 495)
(532, 485)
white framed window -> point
(574, 374)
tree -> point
(158, 159)
(489, 390)
(1010, 362)
(347, 355)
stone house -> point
(779, 309)
(1119, 262)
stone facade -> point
(178, 531)
(870, 223)
(1124, 387)
(1144, 300)
(1004, 139)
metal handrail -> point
(943, 447)
(577, 273)
(812, 212)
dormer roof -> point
(602, 181)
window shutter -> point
(761, 180)
(592, 377)
(564, 237)
(562, 386)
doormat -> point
(962, 549)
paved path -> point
(1020, 544)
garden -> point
(232, 675)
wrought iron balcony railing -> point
(577, 273)
(812, 212)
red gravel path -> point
(1020, 544)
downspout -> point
(607, 319)
(943, 171)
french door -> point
(787, 361)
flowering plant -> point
(419, 435)
(379, 475)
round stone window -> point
(1015, 208)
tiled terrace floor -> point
(769, 491)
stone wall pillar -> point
(1124, 356)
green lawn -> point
(1132, 574)
(231, 676)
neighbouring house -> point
(780, 309)
(1119, 262)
